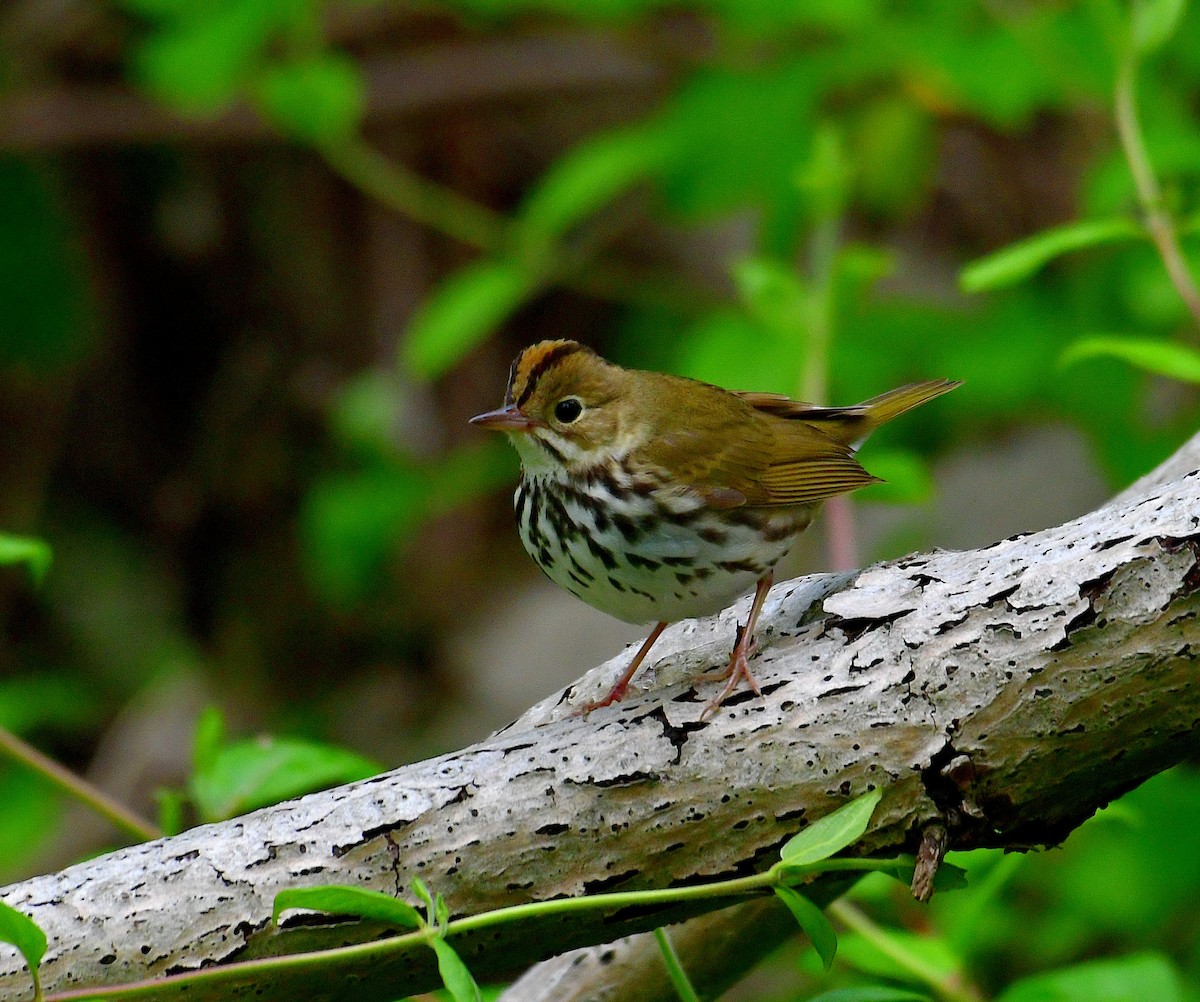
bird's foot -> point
(737, 669)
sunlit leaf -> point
(832, 833)
(340, 900)
(814, 923)
(591, 176)
(201, 64)
(255, 773)
(455, 976)
(318, 99)
(1163, 358)
(19, 930)
(1153, 22)
(1128, 979)
(461, 312)
(1018, 261)
(33, 553)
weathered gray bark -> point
(1007, 692)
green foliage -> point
(33, 553)
(357, 901)
(812, 920)
(1130, 979)
(317, 98)
(1163, 358)
(831, 833)
(1017, 262)
(233, 777)
(462, 312)
(46, 323)
(21, 931)
(871, 993)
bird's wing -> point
(732, 456)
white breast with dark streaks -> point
(643, 554)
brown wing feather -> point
(732, 452)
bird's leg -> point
(739, 661)
(617, 692)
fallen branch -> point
(1003, 694)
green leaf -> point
(776, 296)
(33, 553)
(318, 99)
(461, 312)
(870, 993)
(1127, 979)
(341, 900)
(929, 957)
(1163, 358)
(1018, 261)
(210, 735)
(814, 923)
(824, 178)
(171, 804)
(832, 833)
(1153, 22)
(254, 773)
(455, 976)
(591, 176)
(202, 63)
(19, 930)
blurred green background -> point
(261, 259)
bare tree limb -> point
(1004, 693)
(56, 117)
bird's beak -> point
(507, 418)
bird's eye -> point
(568, 409)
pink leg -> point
(739, 661)
(617, 692)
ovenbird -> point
(656, 498)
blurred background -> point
(261, 259)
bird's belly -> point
(643, 559)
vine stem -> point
(946, 986)
(77, 787)
(1158, 221)
(679, 979)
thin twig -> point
(77, 787)
(1158, 221)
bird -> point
(654, 497)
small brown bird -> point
(657, 498)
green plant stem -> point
(841, 538)
(430, 204)
(1158, 221)
(475, 225)
(77, 787)
(944, 986)
(362, 953)
(679, 979)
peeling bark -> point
(1001, 694)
